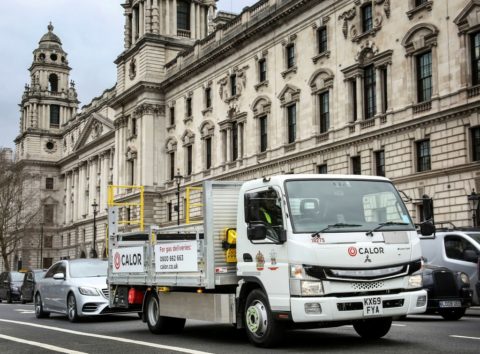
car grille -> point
(444, 284)
(105, 292)
(89, 307)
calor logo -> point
(352, 251)
(116, 260)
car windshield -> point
(16, 276)
(88, 269)
(345, 206)
(475, 236)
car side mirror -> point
(256, 232)
(59, 276)
(427, 228)
(470, 256)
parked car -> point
(75, 288)
(449, 292)
(10, 283)
(28, 286)
(456, 249)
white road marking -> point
(464, 337)
(41, 345)
(398, 325)
(118, 339)
(22, 311)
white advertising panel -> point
(128, 260)
(175, 257)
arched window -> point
(53, 83)
(183, 15)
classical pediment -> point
(469, 17)
(288, 94)
(96, 127)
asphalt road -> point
(21, 332)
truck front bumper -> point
(325, 309)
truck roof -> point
(285, 177)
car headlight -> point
(85, 290)
(415, 281)
(464, 278)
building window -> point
(48, 183)
(290, 55)
(234, 141)
(476, 144)
(47, 241)
(233, 84)
(189, 107)
(53, 83)
(169, 211)
(183, 15)
(367, 20)
(475, 49)
(384, 89)
(263, 133)
(420, 2)
(324, 112)
(54, 116)
(172, 165)
(356, 166)
(380, 163)
(354, 99)
(291, 122)
(369, 91)
(172, 116)
(208, 153)
(131, 171)
(208, 97)
(423, 155)
(262, 70)
(322, 169)
(322, 39)
(134, 127)
(189, 159)
(424, 76)
(48, 213)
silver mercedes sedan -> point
(75, 288)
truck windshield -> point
(356, 205)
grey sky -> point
(91, 32)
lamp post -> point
(41, 247)
(93, 253)
(178, 179)
(473, 200)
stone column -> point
(141, 19)
(161, 16)
(359, 86)
(174, 18)
(134, 25)
(127, 30)
(148, 17)
(388, 72)
(155, 18)
(81, 188)
(228, 137)
(167, 17)
(197, 21)
(435, 73)
(193, 33)
(68, 200)
(75, 194)
(411, 92)
(378, 90)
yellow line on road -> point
(41, 345)
(118, 339)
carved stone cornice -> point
(347, 16)
(148, 108)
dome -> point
(50, 38)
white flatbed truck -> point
(287, 251)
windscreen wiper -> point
(388, 223)
(337, 225)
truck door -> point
(263, 254)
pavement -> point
(473, 311)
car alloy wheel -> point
(72, 308)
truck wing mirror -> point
(427, 207)
(256, 232)
(470, 256)
(427, 228)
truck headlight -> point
(311, 288)
(85, 290)
(464, 278)
(415, 281)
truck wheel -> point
(373, 328)
(262, 329)
(453, 314)
(39, 313)
(161, 324)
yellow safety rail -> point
(189, 204)
(140, 204)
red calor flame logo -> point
(117, 260)
(352, 251)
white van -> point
(457, 250)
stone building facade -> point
(374, 87)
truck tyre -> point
(373, 328)
(262, 329)
(161, 324)
(39, 313)
(453, 314)
(72, 312)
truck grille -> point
(444, 284)
(367, 285)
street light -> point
(40, 261)
(473, 200)
(178, 179)
(93, 253)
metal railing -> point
(139, 204)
